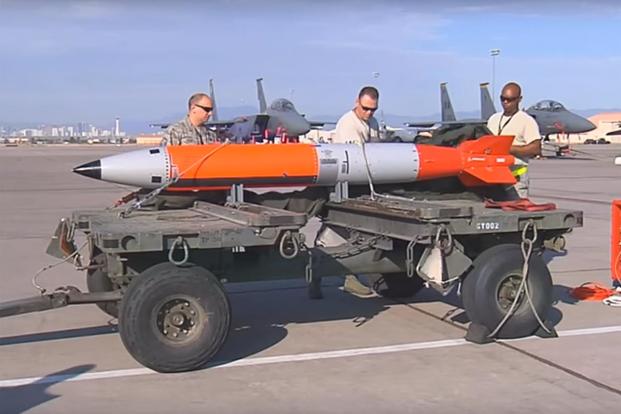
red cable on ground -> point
(592, 291)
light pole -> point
(376, 76)
(494, 53)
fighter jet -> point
(553, 118)
(446, 111)
(281, 113)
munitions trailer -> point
(161, 272)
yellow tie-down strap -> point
(519, 171)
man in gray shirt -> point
(358, 125)
(191, 130)
(527, 142)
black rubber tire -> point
(481, 287)
(397, 139)
(141, 307)
(396, 285)
(97, 281)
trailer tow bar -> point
(61, 297)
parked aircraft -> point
(281, 113)
(551, 116)
(447, 114)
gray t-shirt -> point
(352, 130)
(521, 125)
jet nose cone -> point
(589, 126)
(90, 169)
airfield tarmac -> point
(286, 353)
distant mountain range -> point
(136, 126)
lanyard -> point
(500, 128)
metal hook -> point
(186, 252)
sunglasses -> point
(508, 99)
(204, 108)
(367, 109)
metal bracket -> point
(409, 257)
(236, 195)
(308, 269)
(341, 192)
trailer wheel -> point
(396, 285)
(490, 288)
(97, 280)
(174, 319)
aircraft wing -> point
(223, 124)
(441, 123)
(617, 132)
(320, 124)
(158, 125)
(422, 124)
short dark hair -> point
(197, 97)
(369, 91)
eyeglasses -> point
(367, 109)
(204, 108)
(508, 98)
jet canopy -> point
(548, 105)
(282, 105)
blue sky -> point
(64, 61)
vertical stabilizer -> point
(212, 93)
(487, 104)
(261, 96)
(448, 114)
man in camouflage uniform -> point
(191, 130)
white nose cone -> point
(148, 168)
(617, 160)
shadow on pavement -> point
(21, 398)
(61, 334)
(260, 319)
(261, 315)
(562, 294)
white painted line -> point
(245, 362)
(312, 356)
(590, 331)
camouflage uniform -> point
(184, 133)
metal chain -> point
(354, 250)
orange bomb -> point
(480, 162)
